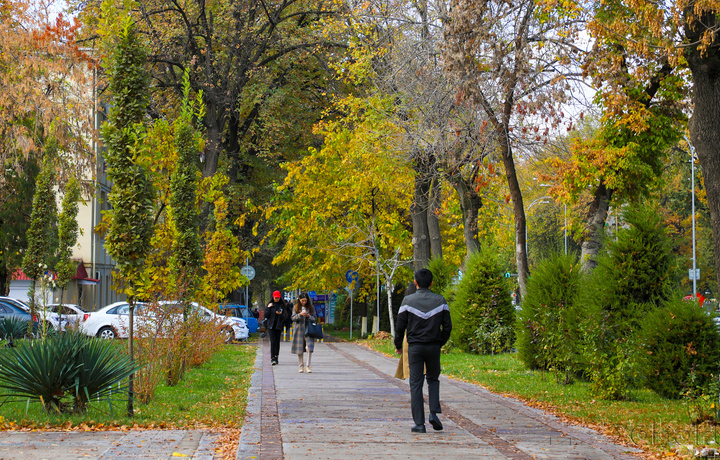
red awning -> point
(81, 275)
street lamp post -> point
(541, 200)
(694, 256)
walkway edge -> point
(249, 445)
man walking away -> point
(425, 317)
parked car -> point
(239, 311)
(62, 316)
(113, 321)
(11, 310)
(232, 327)
(109, 322)
(16, 302)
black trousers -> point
(424, 357)
(275, 335)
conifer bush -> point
(681, 346)
(547, 326)
(482, 312)
(634, 276)
(442, 274)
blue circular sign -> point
(351, 275)
(312, 294)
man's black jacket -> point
(425, 317)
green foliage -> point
(635, 274)
(184, 182)
(547, 327)
(612, 357)
(12, 328)
(442, 274)
(42, 223)
(131, 226)
(42, 219)
(481, 307)
(67, 233)
(69, 366)
(17, 189)
(682, 349)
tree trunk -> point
(597, 214)
(389, 290)
(433, 221)
(705, 134)
(213, 146)
(470, 204)
(518, 211)
(418, 211)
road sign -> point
(694, 276)
(351, 275)
(248, 271)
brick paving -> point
(351, 407)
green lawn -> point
(658, 425)
(213, 395)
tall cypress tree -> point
(41, 232)
(131, 197)
(187, 256)
(67, 234)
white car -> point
(109, 322)
(62, 316)
(238, 325)
(113, 321)
(232, 328)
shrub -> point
(64, 368)
(12, 328)
(442, 274)
(611, 357)
(635, 273)
(547, 327)
(634, 277)
(682, 349)
(481, 307)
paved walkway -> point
(136, 445)
(351, 407)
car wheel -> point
(106, 332)
(228, 334)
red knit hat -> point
(277, 294)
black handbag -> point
(313, 330)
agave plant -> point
(12, 328)
(101, 368)
(64, 372)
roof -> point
(81, 274)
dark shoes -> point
(435, 422)
(418, 429)
(274, 362)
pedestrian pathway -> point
(105, 445)
(351, 407)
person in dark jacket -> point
(288, 321)
(425, 317)
(275, 316)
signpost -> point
(249, 273)
(350, 276)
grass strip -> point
(212, 395)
